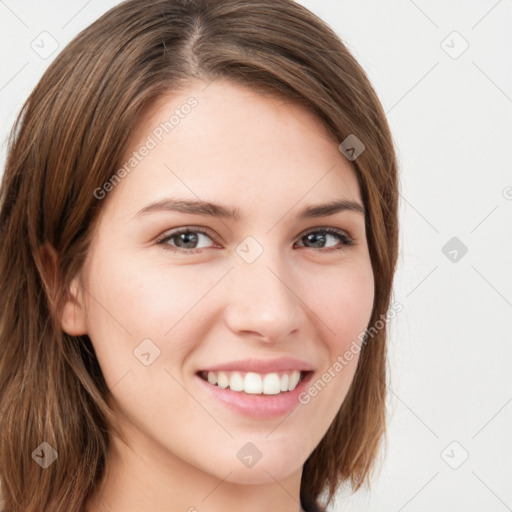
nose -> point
(261, 300)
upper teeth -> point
(254, 383)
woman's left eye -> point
(187, 237)
(341, 236)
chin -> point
(261, 473)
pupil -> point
(185, 238)
(312, 236)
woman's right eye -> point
(183, 238)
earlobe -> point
(72, 315)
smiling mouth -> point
(254, 383)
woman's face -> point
(253, 299)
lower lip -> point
(258, 406)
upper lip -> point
(261, 365)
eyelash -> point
(346, 241)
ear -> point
(72, 316)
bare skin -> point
(299, 298)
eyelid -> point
(328, 229)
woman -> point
(198, 230)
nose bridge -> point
(261, 300)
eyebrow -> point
(216, 210)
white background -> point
(451, 117)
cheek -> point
(131, 301)
(144, 321)
(343, 301)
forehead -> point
(236, 147)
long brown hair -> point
(69, 139)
